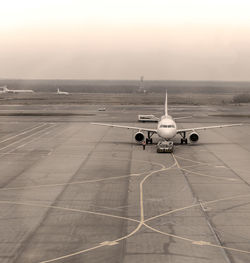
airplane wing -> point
(208, 127)
(126, 127)
(179, 118)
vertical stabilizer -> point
(166, 104)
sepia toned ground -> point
(75, 192)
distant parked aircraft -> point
(6, 90)
(2, 90)
(62, 92)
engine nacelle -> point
(139, 137)
(194, 137)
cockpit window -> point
(167, 126)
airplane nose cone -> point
(167, 134)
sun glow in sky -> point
(114, 39)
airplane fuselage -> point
(166, 128)
(20, 91)
(5, 90)
(62, 93)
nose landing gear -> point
(183, 139)
(149, 139)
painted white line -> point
(78, 182)
(72, 183)
(201, 243)
(38, 137)
(23, 132)
(109, 243)
(204, 207)
(141, 222)
(68, 209)
(189, 160)
(196, 242)
(209, 176)
(25, 138)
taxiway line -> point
(203, 163)
(210, 176)
(68, 209)
(141, 222)
(23, 139)
(23, 132)
(73, 183)
(84, 181)
(195, 242)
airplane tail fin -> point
(166, 104)
(5, 89)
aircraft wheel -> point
(151, 140)
(146, 140)
(181, 141)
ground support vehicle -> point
(165, 147)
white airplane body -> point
(2, 90)
(166, 129)
(6, 90)
(62, 92)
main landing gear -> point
(183, 139)
(149, 139)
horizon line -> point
(116, 79)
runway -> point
(74, 192)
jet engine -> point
(194, 137)
(139, 137)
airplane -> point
(2, 91)
(167, 129)
(62, 92)
(6, 90)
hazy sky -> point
(116, 39)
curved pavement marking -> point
(103, 244)
(141, 223)
(142, 220)
(194, 205)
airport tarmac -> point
(75, 192)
